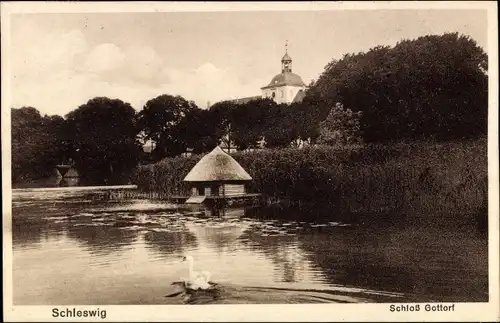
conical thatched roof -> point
(217, 166)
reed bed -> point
(426, 178)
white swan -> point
(196, 280)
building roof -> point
(285, 78)
(246, 99)
(299, 96)
(217, 166)
(286, 57)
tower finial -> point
(286, 46)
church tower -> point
(286, 63)
(285, 87)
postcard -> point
(250, 161)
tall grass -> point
(414, 177)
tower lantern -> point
(286, 61)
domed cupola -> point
(285, 86)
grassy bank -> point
(428, 178)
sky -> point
(60, 61)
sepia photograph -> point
(290, 161)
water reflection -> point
(420, 261)
(170, 243)
(219, 237)
(352, 257)
(220, 232)
(29, 234)
(281, 250)
(31, 231)
(249, 251)
(101, 238)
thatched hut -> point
(216, 174)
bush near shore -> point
(420, 177)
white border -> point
(350, 312)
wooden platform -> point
(196, 199)
(213, 200)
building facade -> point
(286, 87)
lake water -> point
(69, 249)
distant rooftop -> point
(246, 99)
(285, 78)
(299, 97)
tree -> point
(341, 127)
(222, 116)
(199, 130)
(36, 146)
(279, 128)
(103, 134)
(306, 116)
(160, 120)
(431, 87)
(242, 124)
(248, 122)
(247, 125)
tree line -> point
(433, 87)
